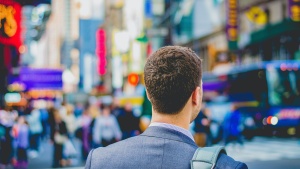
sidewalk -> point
(44, 158)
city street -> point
(261, 153)
(102, 70)
(44, 159)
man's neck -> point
(179, 119)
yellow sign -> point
(232, 20)
(295, 12)
(257, 15)
(10, 24)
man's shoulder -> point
(141, 152)
(121, 148)
(118, 145)
(225, 161)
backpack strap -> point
(206, 157)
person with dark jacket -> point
(201, 129)
(58, 137)
(128, 122)
(173, 80)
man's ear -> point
(197, 96)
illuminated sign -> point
(257, 15)
(12, 97)
(289, 114)
(9, 25)
(10, 16)
(101, 51)
(294, 10)
(133, 79)
(16, 87)
(42, 79)
(232, 20)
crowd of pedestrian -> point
(229, 130)
(94, 124)
(22, 129)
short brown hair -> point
(172, 73)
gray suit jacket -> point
(157, 147)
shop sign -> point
(257, 15)
(101, 51)
(294, 10)
(289, 114)
(10, 18)
(232, 20)
(31, 79)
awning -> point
(271, 31)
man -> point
(174, 87)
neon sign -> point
(289, 114)
(101, 51)
(232, 20)
(294, 10)
(7, 16)
(10, 20)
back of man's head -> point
(172, 73)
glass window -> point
(283, 87)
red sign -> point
(10, 23)
(101, 51)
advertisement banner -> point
(232, 20)
(50, 79)
(294, 10)
(101, 51)
(10, 23)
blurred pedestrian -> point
(36, 129)
(79, 109)
(233, 127)
(94, 112)
(128, 122)
(201, 128)
(70, 120)
(7, 119)
(21, 135)
(59, 136)
(44, 120)
(83, 132)
(106, 129)
(116, 109)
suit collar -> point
(166, 133)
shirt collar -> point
(173, 127)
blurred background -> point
(67, 67)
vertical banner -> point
(294, 10)
(101, 51)
(232, 20)
(10, 23)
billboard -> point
(30, 78)
(10, 23)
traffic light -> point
(133, 79)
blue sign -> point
(148, 9)
(50, 79)
(33, 2)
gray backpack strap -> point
(206, 157)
